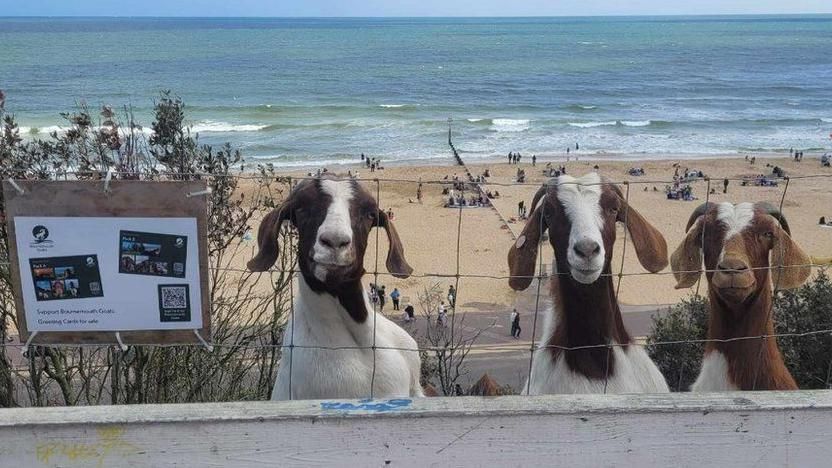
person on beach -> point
(362, 156)
(440, 313)
(373, 294)
(567, 151)
(511, 321)
(442, 317)
(452, 296)
(394, 296)
(390, 214)
(419, 193)
(520, 206)
(576, 146)
(534, 160)
(725, 186)
(515, 325)
(382, 298)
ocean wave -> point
(593, 124)
(826, 120)
(475, 120)
(210, 126)
(510, 125)
(398, 106)
(580, 107)
(46, 130)
(635, 123)
(617, 123)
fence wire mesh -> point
(458, 276)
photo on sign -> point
(74, 277)
(174, 305)
(147, 253)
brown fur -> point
(306, 209)
(588, 315)
(740, 290)
(485, 386)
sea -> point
(313, 91)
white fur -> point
(336, 225)
(713, 377)
(320, 320)
(735, 218)
(581, 202)
(634, 371)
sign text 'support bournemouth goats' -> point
(91, 262)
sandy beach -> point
(429, 231)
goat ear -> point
(789, 262)
(651, 248)
(686, 261)
(396, 263)
(267, 236)
(522, 257)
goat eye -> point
(769, 235)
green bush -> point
(803, 313)
(680, 362)
(803, 310)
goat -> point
(581, 216)
(736, 241)
(360, 349)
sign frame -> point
(127, 198)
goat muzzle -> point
(733, 280)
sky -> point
(320, 8)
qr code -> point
(174, 297)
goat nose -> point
(586, 248)
(334, 240)
(732, 265)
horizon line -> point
(649, 15)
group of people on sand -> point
(514, 158)
(521, 175)
(554, 172)
(797, 155)
(457, 199)
(679, 191)
(378, 296)
(372, 163)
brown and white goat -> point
(737, 241)
(581, 216)
(337, 347)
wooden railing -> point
(678, 430)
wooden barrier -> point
(682, 429)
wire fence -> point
(541, 295)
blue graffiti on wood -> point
(379, 406)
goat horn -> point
(775, 212)
(699, 211)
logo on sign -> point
(40, 237)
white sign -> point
(109, 274)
